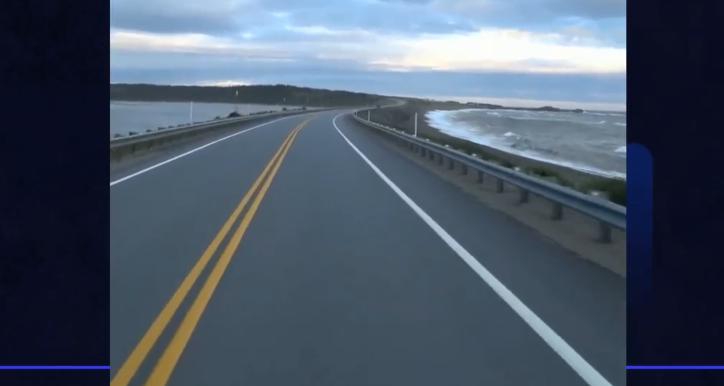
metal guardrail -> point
(123, 146)
(608, 214)
(140, 137)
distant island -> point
(258, 94)
(544, 108)
(454, 105)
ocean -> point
(592, 142)
(140, 116)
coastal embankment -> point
(607, 183)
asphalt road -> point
(331, 274)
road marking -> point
(165, 365)
(563, 349)
(138, 355)
(138, 173)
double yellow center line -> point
(166, 363)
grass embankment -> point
(402, 118)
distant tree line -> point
(260, 94)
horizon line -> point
(456, 99)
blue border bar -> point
(55, 367)
(639, 200)
(674, 367)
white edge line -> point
(128, 177)
(563, 349)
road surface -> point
(305, 252)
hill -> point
(260, 94)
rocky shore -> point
(403, 118)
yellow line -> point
(171, 355)
(139, 353)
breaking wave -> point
(569, 145)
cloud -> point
(484, 50)
(585, 89)
(501, 13)
(527, 43)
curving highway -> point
(305, 252)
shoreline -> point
(402, 118)
(582, 168)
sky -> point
(565, 53)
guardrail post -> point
(557, 213)
(552, 195)
(415, 124)
(522, 196)
(604, 232)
